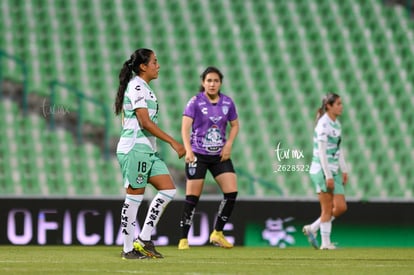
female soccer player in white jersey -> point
(137, 152)
(328, 170)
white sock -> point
(157, 206)
(128, 219)
(317, 224)
(326, 228)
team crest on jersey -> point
(225, 109)
(140, 178)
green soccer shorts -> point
(138, 167)
(319, 182)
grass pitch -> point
(206, 260)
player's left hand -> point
(344, 178)
(225, 152)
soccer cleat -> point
(133, 255)
(147, 248)
(217, 238)
(330, 246)
(183, 244)
(311, 236)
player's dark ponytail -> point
(124, 76)
(132, 65)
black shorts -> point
(198, 169)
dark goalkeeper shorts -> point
(198, 169)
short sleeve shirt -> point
(210, 120)
(138, 95)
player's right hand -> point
(189, 157)
(330, 184)
(179, 148)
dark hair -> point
(328, 99)
(140, 56)
(210, 69)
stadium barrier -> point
(80, 99)
(254, 223)
(24, 80)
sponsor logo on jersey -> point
(213, 141)
(215, 119)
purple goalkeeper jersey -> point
(210, 120)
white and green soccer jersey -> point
(327, 131)
(137, 95)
